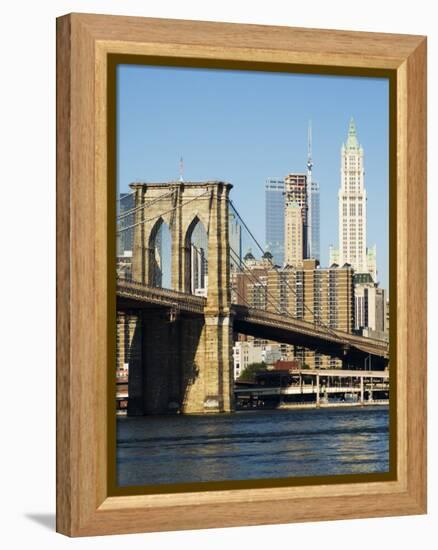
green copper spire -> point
(352, 142)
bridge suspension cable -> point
(125, 196)
(162, 213)
(255, 279)
(258, 281)
(242, 267)
(243, 299)
(133, 210)
(306, 307)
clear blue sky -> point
(243, 127)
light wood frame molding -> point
(84, 41)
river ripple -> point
(251, 445)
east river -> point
(251, 445)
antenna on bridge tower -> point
(181, 169)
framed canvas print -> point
(241, 229)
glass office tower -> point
(274, 218)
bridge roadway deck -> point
(255, 322)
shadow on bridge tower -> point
(179, 362)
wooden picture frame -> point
(85, 342)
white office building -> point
(352, 204)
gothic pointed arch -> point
(160, 256)
(196, 257)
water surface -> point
(251, 445)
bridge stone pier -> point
(177, 361)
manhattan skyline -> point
(244, 127)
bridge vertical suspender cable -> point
(329, 329)
(256, 280)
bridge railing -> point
(129, 283)
(278, 320)
(169, 298)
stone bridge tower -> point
(181, 362)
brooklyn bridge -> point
(179, 311)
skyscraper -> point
(370, 307)
(352, 204)
(293, 235)
(313, 231)
(274, 218)
(296, 212)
